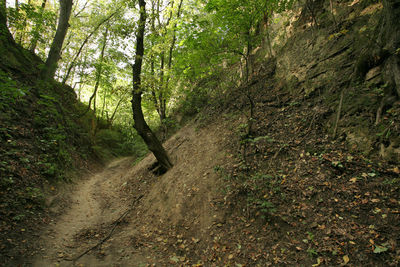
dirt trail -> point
(168, 226)
(96, 202)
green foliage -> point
(312, 252)
(31, 22)
(263, 191)
(103, 154)
(114, 141)
(194, 100)
(10, 91)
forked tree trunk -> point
(140, 124)
(55, 51)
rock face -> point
(346, 52)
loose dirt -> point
(290, 196)
(127, 216)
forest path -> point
(95, 203)
(139, 219)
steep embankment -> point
(288, 192)
(295, 199)
(44, 141)
(138, 218)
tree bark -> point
(140, 124)
(55, 51)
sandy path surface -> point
(96, 202)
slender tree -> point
(140, 124)
(37, 28)
(55, 51)
(99, 70)
(75, 58)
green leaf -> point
(380, 249)
(174, 259)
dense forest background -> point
(304, 93)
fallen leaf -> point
(353, 180)
(345, 259)
(174, 259)
(318, 262)
(354, 2)
(380, 249)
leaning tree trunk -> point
(140, 124)
(55, 51)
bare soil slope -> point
(136, 218)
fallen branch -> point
(115, 223)
(338, 114)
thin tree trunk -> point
(98, 75)
(161, 96)
(22, 33)
(103, 106)
(171, 48)
(152, 68)
(333, 14)
(266, 28)
(160, 93)
(110, 120)
(81, 78)
(36, 31)
(73, 61)
(81, 10)
(62, 28)
(140, 124)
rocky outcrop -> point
(351, 47)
